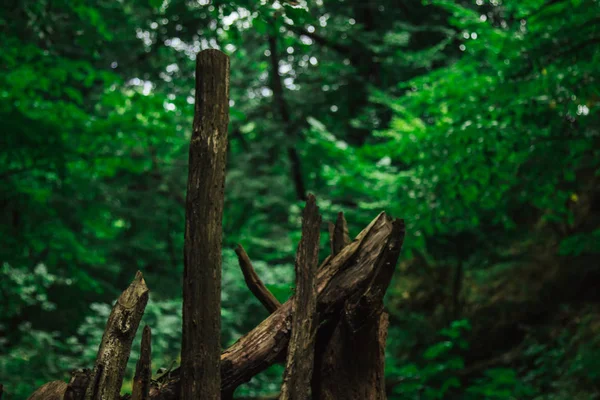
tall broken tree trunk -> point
(201, 336)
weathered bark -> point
(59, 390)
(54, 390)
(347, 273)
(78, 384)
(123, 322)
(143, 369)
(354, 362)
(340, 234)
(299, 365)
(256, 286)
(201, 340)
(351, 365)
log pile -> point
(330, 334)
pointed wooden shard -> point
(122, 324)
(340, 234)
(143, 369)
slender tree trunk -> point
(299, 365)
(201, 336)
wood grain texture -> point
(122, 325)
(201, 340)
(143, 369)
(351, 359)
(299, 364)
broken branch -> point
(256, 286)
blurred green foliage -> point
(476, 121)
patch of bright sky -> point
(145, 85)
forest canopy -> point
(475, 121)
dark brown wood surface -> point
(201, 336)
(299, 364)
(113, 354)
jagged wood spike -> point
(340, 234)
(371, 301)
(143, 369)
(331, 229)
(299, 364)
(201, 332)
(254, 283)
(122, 324)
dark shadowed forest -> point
(476, 121)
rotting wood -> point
(353, 358)
(78, 385)
(201, 333)
(254, 283)
(59, 390)
(343, 275)
(54, 390)
(339, 278)
(143, 369)
(353, 363)
(299, 365)
(123, 322)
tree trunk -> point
(201, 336)
(352, 352)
